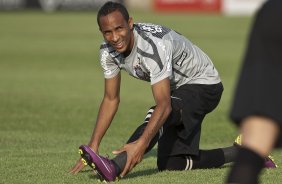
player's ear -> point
(130, 23)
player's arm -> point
(161, 93)
(136, 149)
(108, 108)
(107, 111)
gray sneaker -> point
(104, 167)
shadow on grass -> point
(86, 171)
(155, 171)
(130, 175)
(142, 173)
(147, 172)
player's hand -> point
(78, 167)
(135, 152)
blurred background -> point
(51, 85)
(228, 7)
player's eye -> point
(119, 29)
(107, 33)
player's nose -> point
(115, 37)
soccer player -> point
(185, 85)
(257, 103)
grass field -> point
(51, 85)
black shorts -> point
(259, 88)
(182, 130)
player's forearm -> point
(157, 119)
(107, 111)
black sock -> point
(230, 153)
(208, 159)
(174, 163)
(246, 168)
(215, 158)
(120, 159)
(119, 162)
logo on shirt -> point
(181, 59)
(140, 73)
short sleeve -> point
(110, 68)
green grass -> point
(51, 85)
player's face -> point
(117, 31)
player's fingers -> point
(78, 166)
(73, 168)
(131, 167)
(125, 170)
(116, 152)
(72, 171)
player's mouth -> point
(119, 45)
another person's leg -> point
(259, 134)
(259, 137)
(257, 100)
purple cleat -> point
(104, 167)
(269, 162)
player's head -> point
(116, 26)
(110, 7)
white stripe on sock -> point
(190, 163)
(187, 163)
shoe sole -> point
(87, 160)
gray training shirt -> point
(158, 53)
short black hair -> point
(110, 7)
